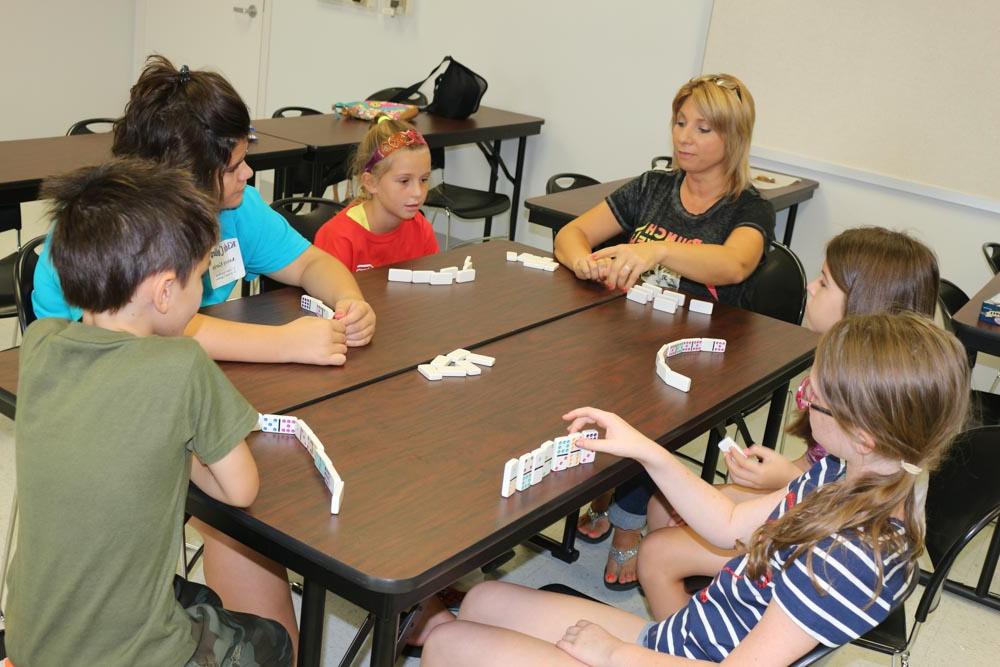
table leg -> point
(790, 225)
(711, 462)
(566, 549)
(311, 624)
(515, 196)
(494, 168)
(384, 640)
(774, 415)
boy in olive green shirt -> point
(110, 411)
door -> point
(227, 36)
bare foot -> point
(622, 567)
(594, 522)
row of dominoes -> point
(673, 378)
(457, 363)
(289, 425)
(665, 300)
(552, 456)
(446, 276)
(533, 261)
(316, 307)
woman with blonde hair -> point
(702, 228)
(826, 558)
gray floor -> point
(958, 633)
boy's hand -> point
(619, 439)
(358, 319)
(773, 471)
(589, 643)
(627, 263)
(313, 340)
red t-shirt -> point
(359, 248)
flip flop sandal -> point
(592, 518)
(621, 556)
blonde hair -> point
(377, 134)
(903, 381)
(729, 108)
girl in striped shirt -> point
(824, 559)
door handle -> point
(250, 11)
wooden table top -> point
(422, 460)
(329, 132)
(561, 207)
(24, 163)
(415, 322)
(974, 333)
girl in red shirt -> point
(384, 225)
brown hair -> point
(183, 118)
(119, 223)
(903, 381)
(377, 133)
(729, 109)
(879, 271)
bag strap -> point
(407, 92)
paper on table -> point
(768, 180)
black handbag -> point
(457, 90)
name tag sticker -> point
(226, 263)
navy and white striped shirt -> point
(721, 615)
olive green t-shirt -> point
(106, 424)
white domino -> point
(511, 256)
(467, 264)
(547, 448)
(448, 269)
(421, 276)
(451, 371)
(638, 295)
(400, 275)
(704, 307)
(665, 303)
(310, 303)
(469, 367)
(465, 276)
(727, 444)
(509, 480)
(429, 372)
(537, 465)
(675, 379)
(713, 345)
(480, 359)
(677, 296)
(654, 289)
(588, 455)
(441, 360)
(524, 471)
(288, 425)
(337, 497)
(542, 264)
(269, 423)
(456, 355)
(442, 278)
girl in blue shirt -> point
(826, 558)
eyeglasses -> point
(804, 399)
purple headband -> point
(392, 144)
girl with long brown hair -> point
(825, 558)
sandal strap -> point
(621, 556)
(593, 517)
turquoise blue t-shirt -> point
(267, 242)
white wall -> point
(601, 74)
(61, 62)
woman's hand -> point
(773, 471)
(587, 268)
(628, 262)
(619, 439)
(358, 319)
(589, 643)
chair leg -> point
(447, 230)
(6, 550)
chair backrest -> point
(992, 253)
(779, 289)
(90, 126)
(308, 222)
(951, 297)
(24, 280)
(662, 162)
(568, 181)
(296, 180)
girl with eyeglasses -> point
(822, 560)
(868, 270)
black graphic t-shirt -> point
(649, 209)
